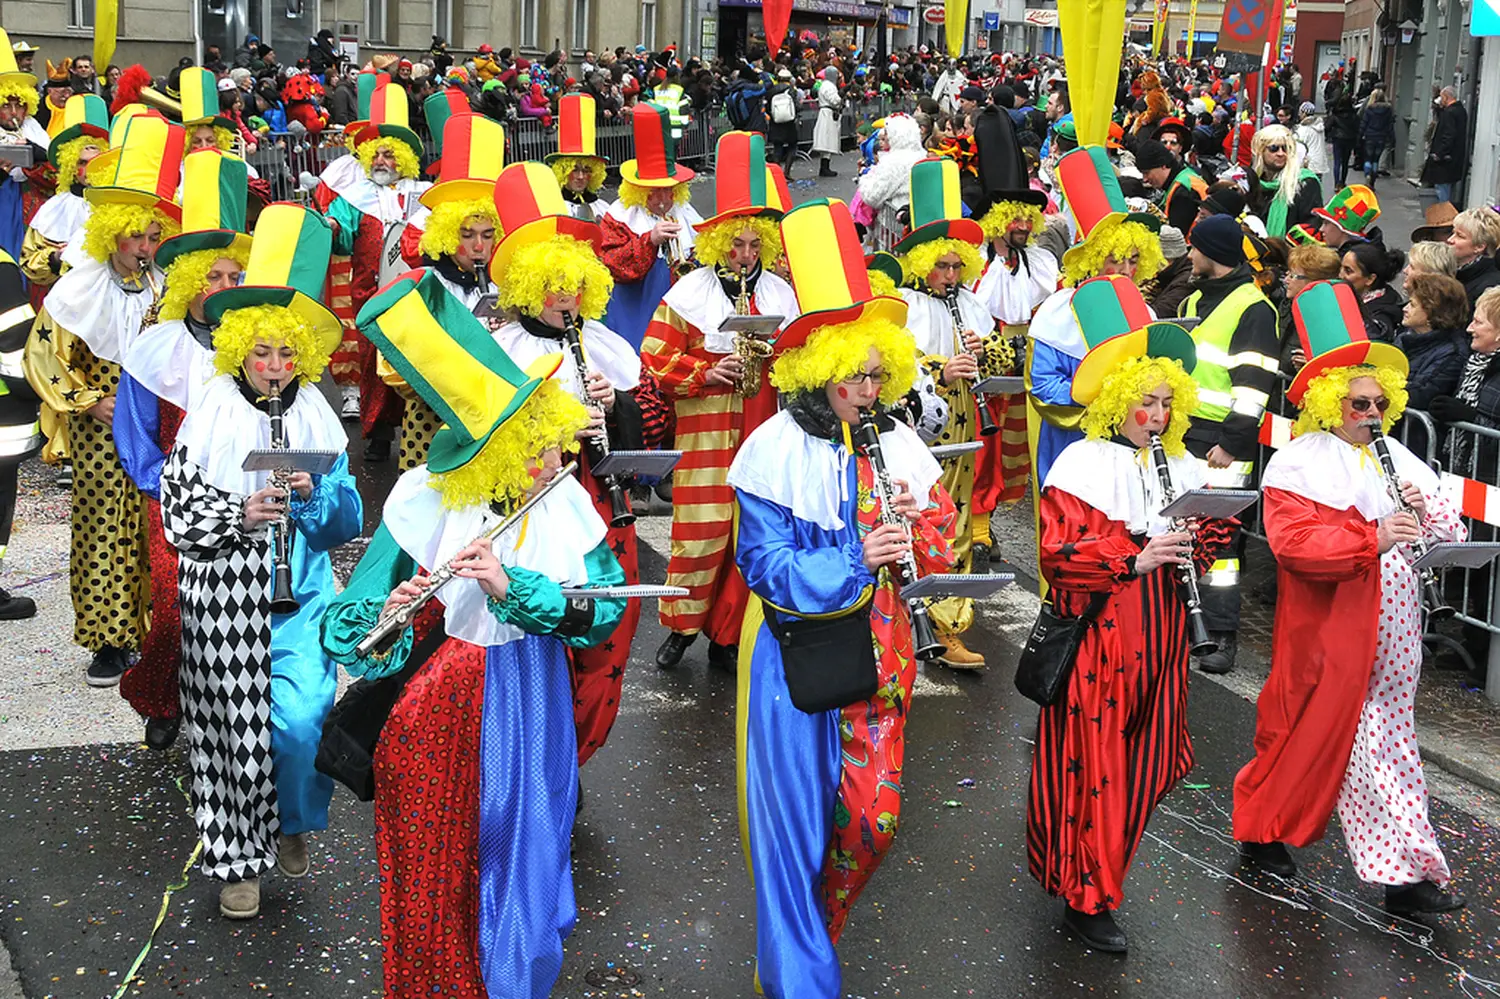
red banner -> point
(775, 16)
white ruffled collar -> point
(700, 299)
(931, 324)
(90, 302)
(346, 177)
(1329, 470)
(606, 352)
(61, 217)
(171, 364)
(1120, 482)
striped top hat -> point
(288, 267)
(1092, 192)
(1117, 326)
(1328, 322)
(778, 191)
(364, 91)
(438, 108)
(936, 207)
(104, 164)
(575, 129)
(655, 163)
(1303, 234)
(473, 157)
(147, 168)
(199, 91)
(740, 189)
(215, 189)
(84, 114)
(828, 273)
(532, 210)
(449, 359)
(390, 118)
(1353, 209)
(9, 71)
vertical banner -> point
(775, 15)
(1091, 33)
(1159, 28)
(1192, 27)
(106, 27)
(955, 25)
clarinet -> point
(598, 447)
(388, 627)
(282, 601)
(1199, 641)
(923, 638)
(1432, 596)
(987, 425)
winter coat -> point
(1437, 362)
(1377, 130)
(1343, 124)
(1382, 313)
(826, 132)
(1447, 156)
(1478, 275)
(1315, 145)
(343, 103)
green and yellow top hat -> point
(440, 107)
(828, 272)
(741, 188)
(288, 267)
(1353, 209)
(532, 210)
(888, 264)
(9, 71)
(1117, 326)
(390, 118)
(1092, 193)
(365, 85)
(449, 359)
(104, 164)
(84, 114)
(199, 95)
(655, 163)
(215, 190)
(1328, 322)
(473, 158)
(936, 206)
(575, 129)
(147, 168)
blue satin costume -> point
(632, 304)
(1052, 374)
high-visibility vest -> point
(669, 96)
(1212, 337)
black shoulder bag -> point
(1051, 650)
(830, 661)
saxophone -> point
(751, 349)
(151, 318)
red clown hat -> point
(575, 129)
(655, 163)
(740, 188)
(828, 272)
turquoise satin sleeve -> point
(333, 514)
(348, 217)
(535, 604)
(354, 612)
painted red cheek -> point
(843, 392)
(534, 472)
(1142, 417)
(260, 365)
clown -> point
(83, 136)
(18, 127)
(577, 164)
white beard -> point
(383, 176)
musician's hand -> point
(6, 166)
(1165, 549)
(264, 505)
(960, 367)
(301, 483)
(1217, 457)
(663, 231)
(103, 410)
(727, 371)
(884, 546)
(1299, 359)
(904, 502)
(404, 593)
(973, 343)
(1414, 498)
(1397, 529)
(595, 428)
(600, 390)
(478, 562)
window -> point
(80, 13)
(580, 25)
(529, 29)
(442, 18)
(375, 12)
(648, 25)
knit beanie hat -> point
(1150, 154)
(1220, 239)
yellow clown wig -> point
(713, 244)
(1127, 385)
(187, 278)
(108, 224)
(565, 165)
(1002, 213)
(634, 195)
(241, 328)
(549, 419)
(561, 264)
(924, 257)
(70, 156)
(26, 93)
(223, 138)
(440, 238)
(881, 284)
(406, 160)
(1121, 241)
(835, 353)
(1322, 404)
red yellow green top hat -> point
(655, 163)
(390, 118)
(104, 164)
(888, 264)
(575, 129)
(288, 267)
(9, 71)
(84, 114)
(1353, 209)
(1117, 326)
(440, 107)
(364, 90)
(778, 191)
(215, 189)
(936, 206)
(1092, 192)
(199, 94)
(1328, 322)
(828, 273)
(449, 359)
(147, 168)
(740, 188)
(1302, 234)
(532, 210)
(473, 158)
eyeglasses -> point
(1362, 405)
(1276, 149)
(873, 377)
(1294, 276)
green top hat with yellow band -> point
(288, 267)
(390, 118)
(1353, 209)
(199, 94)
(437, 109)
(449, 359)
(828, 272)
(936, 206)
(1117, 326)
(1328, 322)
(888, 264)
(215, 190)
(147, 168)
(84, 114)
(10, 72)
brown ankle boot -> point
(959, 656)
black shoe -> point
(664, 490)
(108, 666)
(162, 732)
(1099, 930)
(1272, 857)
(16, 608)
(724, 657)
(828, 173)
(1424, 896)
(1222, 660)
(377, 449)
(980, 558)
(670, 653)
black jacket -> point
(1447, 159)
(1343, 124)
(1377, 129)
(1477, 276)
(1437, 362)
(1382, 314)
(343, 103)
(1256, 334)
(1173, 283)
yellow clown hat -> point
(575, 129)
(778, 191)
(936, 206)
(215, 191)
(9, 71)
(828, 273)
(104, 164)
(473, 157)
(83, 115)
(390, 118)
(532, 210)
(146, 169)
(449, 359)
(199, 95)
(288, 267)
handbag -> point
(829, 662)
(1051, 650)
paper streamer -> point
(1093, 32)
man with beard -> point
(577, 164)
(1162, 170)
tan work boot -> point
(959, 656)
(240, 900)
(291, 856)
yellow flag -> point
(1091, 34)
(955, 19)
(106, 27)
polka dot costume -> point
(419, 424)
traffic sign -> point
(933, 15)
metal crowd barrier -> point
(1473, 452)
